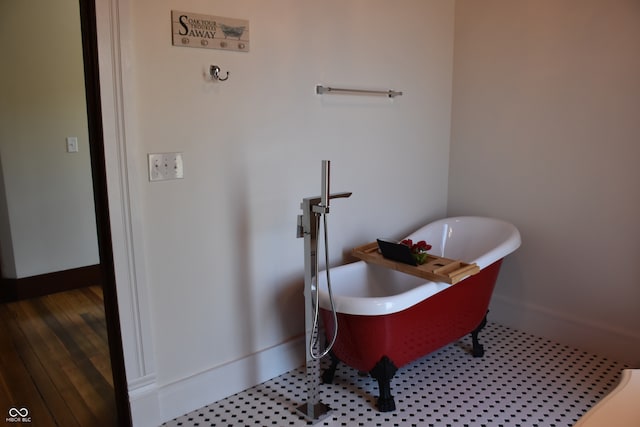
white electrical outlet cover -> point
(163, 166)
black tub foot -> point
(383, 372)
(327, 376)
(478, 349)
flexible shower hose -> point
(313, 342)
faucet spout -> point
(318, 206)
(310, 206)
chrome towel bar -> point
(325, 89)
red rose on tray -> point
(418, 249)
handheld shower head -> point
(324, 193)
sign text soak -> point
(209, 32)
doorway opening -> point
(88, 287)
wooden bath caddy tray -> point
(435, 268)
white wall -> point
(223, 269)
(48, 217)
(545, 130)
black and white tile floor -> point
(522, 380)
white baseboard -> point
(145, 406)
(607, 341)
(186, 395)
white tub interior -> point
(365, 289)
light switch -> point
(72, 144)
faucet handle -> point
(299, 228)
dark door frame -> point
(99, 174)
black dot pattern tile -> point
(522, 380)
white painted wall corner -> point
(621, 345)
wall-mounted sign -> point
(209, 32)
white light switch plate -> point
(163, 166)
(72, 144)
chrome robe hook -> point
(214, 72)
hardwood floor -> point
(54, 360)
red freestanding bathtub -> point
(387, 319)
